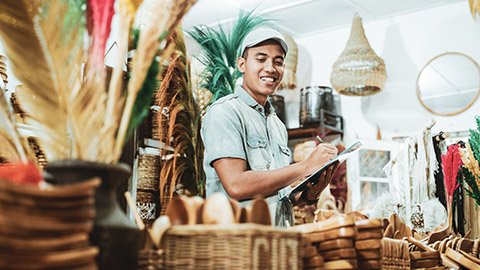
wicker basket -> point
(395, 254)
(358, 71)
(240, 246)
(150, 259)
(148, 206)
(148, 172)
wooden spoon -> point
(217, 210)
(260, 213)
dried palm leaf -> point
(167, 19)
(48, 65)
(181, 133)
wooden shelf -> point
(298, 133)
(322, 129)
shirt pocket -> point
(257, 153)
(285, 155)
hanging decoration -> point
(358, 71)
(289, 80)
(451, 163)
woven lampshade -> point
(358, 71)
(289, 80)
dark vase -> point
(117, 237)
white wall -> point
(406, 43)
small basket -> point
(395, 254)
(148, 206)
(239, 246)
(150, 259)
(148, 172)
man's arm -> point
(242, 184)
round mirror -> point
(449, 84)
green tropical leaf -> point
(221, 50)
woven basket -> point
(150, 259)
(289, 80)
(148, 206)
(240, 246)
(395, 254)
(358, 71)
(148, 172)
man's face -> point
(262, 69)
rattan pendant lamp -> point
(358, 71)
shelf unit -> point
(322, 128)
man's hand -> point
(313, 191)
(322, 154)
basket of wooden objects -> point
(368, 243)
(47, 227)
(217, 233)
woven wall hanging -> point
(289, 80)
(358, 71)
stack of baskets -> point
(47, 228)
(334, 239)
(368, 243)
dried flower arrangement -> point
(75, 115)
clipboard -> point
(313, 178)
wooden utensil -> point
(346, 232)
(179, 211)
(217, 210)
(314, 261)
(370, 264)
(370, 234)
(369, 254)
(369, 224)
(260, 213)
(462, 260)
(340, 264)
(335, 244)
(332, 223)
(341, 253)
(368, 244)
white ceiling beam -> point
(362, 9)
(269, 10)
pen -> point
(320, 139)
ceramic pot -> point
(114, 233)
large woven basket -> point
(358, 71)
(240, 246)
(395, 254)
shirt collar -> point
(250, 101)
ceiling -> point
(302, 18)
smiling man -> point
(246, 153)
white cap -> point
(261, 34)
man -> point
(246, 153)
